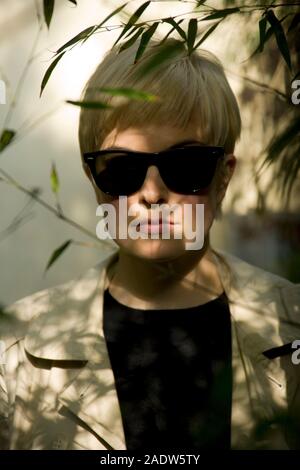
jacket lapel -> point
(261, 387)
(71, 339)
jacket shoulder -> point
(16, 317)
(267, 290)
(251, 272)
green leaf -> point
(262, 33)
(54, 179)
(131, 41)
(83, 34)
(6, 138)
(146, 36)
(284, 151)
(171, 30)
(132, 30)
(280, 36)
(176, 26)
(87, 32)
(57, 253)
(136, 15)
(48, 11)
(129, 93)
(192, 33)
(163, 54)
(269, 33)
(294, 23)
(113, 13)
(90, 104)
(221, 14)
(49, 71)
(208, 32)
(282, 141)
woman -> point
(158, 346)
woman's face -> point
(154, 191)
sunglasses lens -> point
(119, 174)
(190, 170)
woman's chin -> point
(155, 250)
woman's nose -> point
(153, 188)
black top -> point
(173, 374)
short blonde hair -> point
(191, 89)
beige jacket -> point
(57, 388)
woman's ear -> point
(101, 197)
(227, 170)
(87, 171)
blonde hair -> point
(191, 89)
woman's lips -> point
(156, 227)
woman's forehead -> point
(152, 138)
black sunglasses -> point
(184, 170)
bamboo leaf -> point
(54, 179)
(171, 30)
(129, 93)
(281, 141)
(294, 23)
(6, 138)
(176, 26)
(284, 151)
(221, 14)
(49, 71)
(48, 7)
(192, 33)
(87, 32)
(208, 32)
(90, 104)
(131, 31)
(82, 35)
(280, 36)
(268, 34)
(113, 13)
(132, 20)
(57, 253)
(146, 36)
(131, 41)
(163, 54)
(262, 33)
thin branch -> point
(21, 80)
(29, 124)
(10, 180)
(259, 84)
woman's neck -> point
(186, 281)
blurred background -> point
(258, 225)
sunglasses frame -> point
(153, 158)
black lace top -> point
(173, 375)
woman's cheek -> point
(203, 211)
